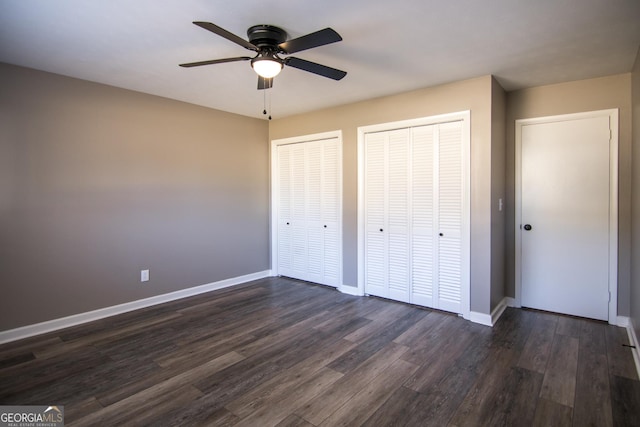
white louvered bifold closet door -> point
(309, 234)
(413, 215)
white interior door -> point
(565, 209)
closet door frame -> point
(465, 118)
(275, 193)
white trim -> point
(350, 290)
(89, 316)
(491, 320)
(274, 192)
(465, 117)
(613, 201)
(623, 321)
(480, 318)
(633, 340)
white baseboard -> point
(623, 321)
(481, 318)
(76, 319)
(633, 340)
(492, 319)
(350, 290)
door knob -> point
(527, 227)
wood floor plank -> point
(549, 413)
(404, 407)
(388, 310)
(220, 418)
(366, 349)
(425, 348)
(319, 408)
(22, 381)
(559, 384)
(593, 402)
(281, 404)
(217, 361)
(225, 326)
(416, 333)
(29, 346)
(77, 385)
(513, 403)
(625, 401)
(288, 380)
(593, 337)
(139, 409)
(620, 358)
(481, 398)
(537, 349)
(440, 352)
(569, 326)
(367, 330)
(367, 401)
(513, 329)
(203, 350)
(12, 361)
(282, 335)
(81, 409)
(294, 421)
(135, 403)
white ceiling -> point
(388, 46)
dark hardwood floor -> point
(287, 353)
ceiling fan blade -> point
(226, 34)
(312, 67)
(264, 83)
(215, 61)
(319, 38)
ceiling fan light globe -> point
(266, 67)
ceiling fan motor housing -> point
(266, 36)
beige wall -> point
(97, 183)
(579, 96)
(498, 157)
(474, 95)
(635, 221)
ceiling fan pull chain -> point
(264, 102)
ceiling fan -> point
(269, 42)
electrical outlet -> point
(144, 275)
